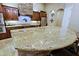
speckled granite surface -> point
(40, 38)
(7, 47)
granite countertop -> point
(17, 24)
(39, 38)
(7, 47)
(42, 38)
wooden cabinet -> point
(10, 13)
(5, 35)
(36, 16)
(1, 8)
(43, 17)
(4, 32)
(40, 16)
(43, 14)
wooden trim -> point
(21, 27)
(26, 15)
(36, 16)
(5, 35)
(1, 8)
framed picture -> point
(2, 25)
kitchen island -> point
(39, 40)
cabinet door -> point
(43, 14)
(14, 14)
(1, 8)
(36, 16)
(5, 35)
(11, 13)
(8, 13)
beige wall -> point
(52, 6)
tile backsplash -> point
(25, 8)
